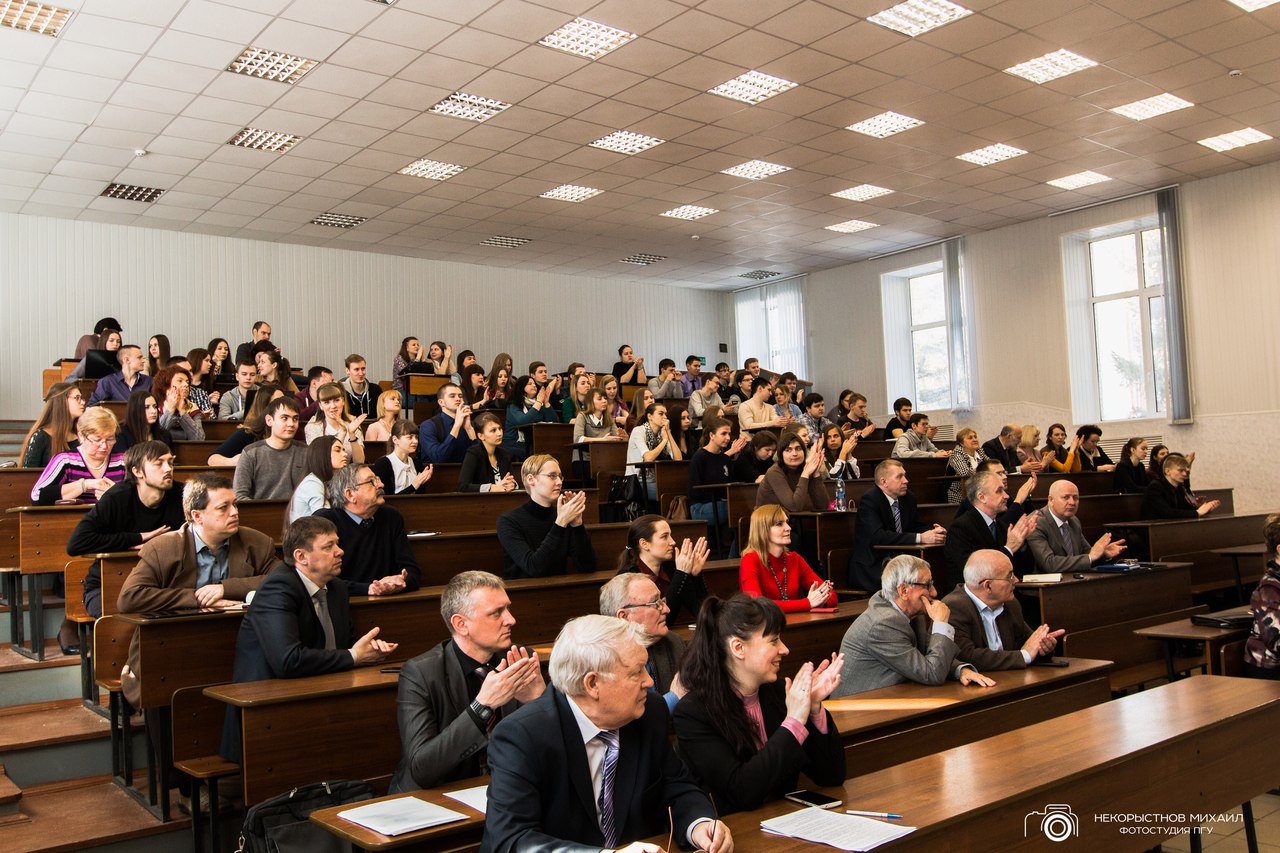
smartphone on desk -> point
(813, 798)
(1050, 662)
(822, 610)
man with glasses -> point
(636, 598)
(540, 537)
(990, 630)
(904, 635)
(378, 558)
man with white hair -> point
(588, 765)
(985, 527)
(904, 635)
(1057, 543)
(636, 598)
(451, 696)
(990, 630)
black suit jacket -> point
(875, 527)
(746, 781)
(1008, 456)
(1164, 500)
(969, 533)
(540, 795)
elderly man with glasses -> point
(636, 598)
(379, 560)
(904, 635)
(990, 630)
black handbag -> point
(280, 824)
(626, 500)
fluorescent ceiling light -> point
(131, 192)
(919, 16)
(1152, 107)
(1078, 180)
(853, 226)
(432, 169)
(587, 39)
(626, 142)
(1051, 66)
(1235, 139)
(264, 140)
(862, 192)
(690, 211)
(505, 242)
(470, 107)
(752, 87)
(1254, 5)
(569, 192)
(643, 260)
(759, 275)
(38, 18)
(271, 65)
(339, 220)
(885, 124)
(755, 170)
(991, 154)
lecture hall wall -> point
(1231, 252)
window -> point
(930, 360)
(770, 326)
(1126, 308)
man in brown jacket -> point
(990, 630)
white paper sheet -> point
(844, 832)
(476, 797)
(401, 815)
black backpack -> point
(280, 824)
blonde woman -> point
(390, 410)
(333, 419)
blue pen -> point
(882, 815)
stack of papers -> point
(1047, 577)
(842, 831)
(401, 815)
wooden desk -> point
(425, 385)
(194, 452)
(1184, 630)
(458, 837)
(604, 457)
(1196, 540)
(555, 439)
(460, 511)
(1255, 553)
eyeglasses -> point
(557, 476)
(1010, 578)
(922, 584)
(97, 440)
(656, 604)
(366, 483)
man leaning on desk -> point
(990, 630)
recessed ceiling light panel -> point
(264, 140)
(271, 65)
(39, 18)
(1152, 107)
(885, 124)
(690, 211)
(852, 226)
(1051, 66)
(626, 142)
(339, 220)
(1235, 139)
(862, 192)
(131, 192)
(1078, 180)
(759, 275)
(432, 169)
(991, 154)
(919, 16)
(470, 107)
(755, 170)
(643, 260)
(569, 192)
(505, 242)
(587, 39)
(752, 87)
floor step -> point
(11, 661)
(25, 681)
(54, 741)
(10, 798)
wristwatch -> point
(484, 712)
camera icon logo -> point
(1058, 822)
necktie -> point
(608, 823)
(897, 516)
(366, 523)
(992, 528)
(322, 610)
(1066, 539)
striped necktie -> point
(608, 821)
(897, 516)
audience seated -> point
(261, 332)
(157, 355)
(390, 412)
(838, 462)
(692, 378)
(273, 467)
(629, 368)
(963, 462)
(542, 535)
(1169, 496)
(743, 733)
(640, 402)
(814, 417)
(900, 423)
(471, 381)
(651, 550)
(915, 443)
(440, 355)
(1057, 543)
(232, 405)
(451, 696)
(273, 368)
(309, 397)
(91, 341)
(990, 631)
(1262, 648)
(1155, 462)
(795, 480)
(595, 423)
(487, 466)
(171, 388)
(1017, 507)
(771, 569)
(1056, 456)
(84, 474)
(618, 409)
(445, 436)
(529, 405)
(141, 422)
(636, 598)
(362, 395)
(567, 741)
(126, 380)
(253, 428)
(1092, 457)
(1131, 475)
(578, 400)
(905, 634)
(853, 414)
(713, 464)
(784, 405)
(333, 418)
(54, 431)
(221, 364)
(1028, 448)
(704, 397)
(666, 385)
(109, 341)
(755, 412)
(201, 392)
(410, 355)
(753, 464)
(463, 360)
(984, 529)
(1004, 447)
(651, 441)
(378, 558)
(398, 469)
(324, 456)
(497, 390)
(887, 515)
(724, 376)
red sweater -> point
(756, 579)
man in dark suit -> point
(1018, 506)
(1004, 447)
(380, 560)
(588, 765)
(886, 515)
(1057, 543)
(452, 695)
(984, 528)
(990, 631)
(633, 596)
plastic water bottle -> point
(841, 506)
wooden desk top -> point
(1094, 577)
(277, 690)
(1203, 519)
(1185, 629)
(1257, 549)
(367, 839)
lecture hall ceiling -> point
(389, 79)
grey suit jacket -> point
(1050, 552)
(971, 636)
(883, 647)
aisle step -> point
(55, 741)
(23, 681)
(10, 800)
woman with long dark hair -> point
(157, 354)
(1131, 475)
(200, 392)
(529, 405)
(838, 461)
(1056, 455)
(142, 422)
(398, 469)
(324, 456)
(794, 480)
(221, 362)
(747, 736)
(487, 465)
(651, 550)
(54, 431)
(497, 389)
(472, 385)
